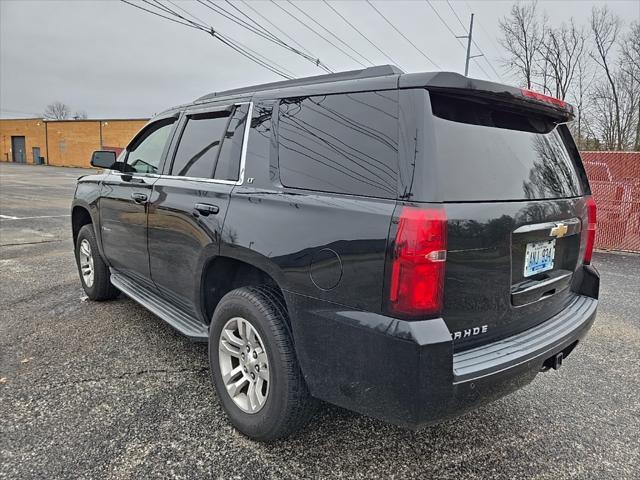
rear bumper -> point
(406, 372)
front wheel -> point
(254, 367)
(94, 272)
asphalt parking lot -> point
(107, 390)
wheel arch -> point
(221, 274)
(80, 216)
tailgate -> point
(488, 293)
(515, 194)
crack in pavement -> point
(29, 243)
(114, 377)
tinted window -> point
(261, 151)
(144, 155)
(345, 143)
(489, 154)
(199, 144)
(228, 165)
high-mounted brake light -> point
(591, 230)
(543, 98)
(416, 283)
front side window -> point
(145, 153)
(199, 144)
(345, 143)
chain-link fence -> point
(615, 184)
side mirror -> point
(103, 159)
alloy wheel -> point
(244, 365)
(86, 262)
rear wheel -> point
(94, 272)
(253, 365)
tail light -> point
(416, 278)
(543, 98)
(591, 230)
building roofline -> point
(22, 118)
(142, 119)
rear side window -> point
(228, 165)
(345, 143)
(199, 145)
(486, 153)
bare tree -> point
(615, 119)
(605, 28)
(630, 51)
(563, 51)
(57, 111)
(522, 39)
(597, 69)
(542, 71)
(80, 115)
(579, 96)
(603, 124)
(630, 63)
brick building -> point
(63, 142)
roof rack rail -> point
(377, 71)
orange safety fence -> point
(615, 184)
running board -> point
(157, 305)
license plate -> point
(539, 257)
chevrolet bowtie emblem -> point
(560, 230)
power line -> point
(253, 52)
(267, 36)
(259, 30)
(316, 32)
(456, 14)
(284, 69)
(362, 35)
(246, 4)
(493, 42)
(446, 24)
(185, 12)
(238, 46)
(231, 43)
(332, 34)
(235, 47)
(474, 42)
(257, 24)
(160, 15)
(404, 36)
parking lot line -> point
(9, 217)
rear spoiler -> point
(496, 93)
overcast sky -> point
(115, 61)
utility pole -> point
(469, 40)
(466, 64)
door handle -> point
(139, 198)
(206, 209)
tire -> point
(288, 405)
(100, 287)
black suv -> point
(407, 246)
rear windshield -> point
(495, 154)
